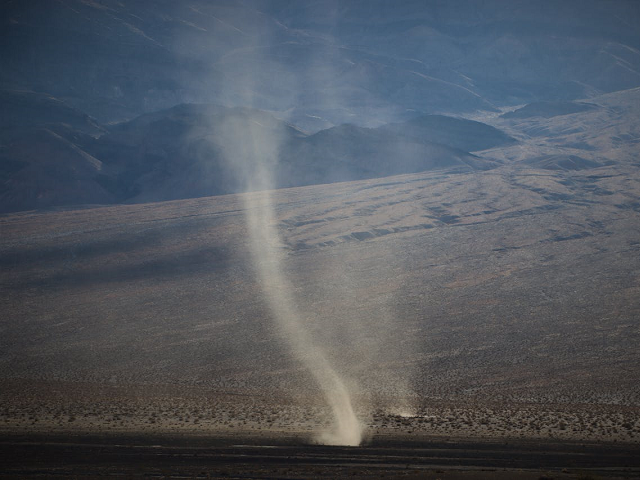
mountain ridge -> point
(179, 153)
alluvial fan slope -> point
(514, 272)
(512, 286)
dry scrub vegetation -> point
(83, 408)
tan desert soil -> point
(500, 304)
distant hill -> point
(31, 109)
(360, 62)
(40, 169)
(42, 158)
(455, 132)
(348, 152)
(180, 153)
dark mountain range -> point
(348, 152)
(91, 74)
(323, 62)
(22, 109)
(178, 153)
(39, 168)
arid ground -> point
(480, 308)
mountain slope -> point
(455, 287)
(459, 133)
(179, 153)
(30, 109)
(367, 63)
(40, 169)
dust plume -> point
(252, 148)
(351, 344)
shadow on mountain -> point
(39, 168)
(459, 133)
(30, 109)
(348, 152)
(117, 60)
(178, 153)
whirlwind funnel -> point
(251, 147)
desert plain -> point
(466, 309)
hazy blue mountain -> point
(180, 153)
(29, 109)
(42, 157)
(96, 88)
(459, 133)
(362, 62)
(348, 152)
(39, 168)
